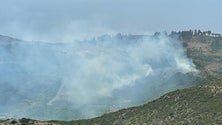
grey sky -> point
(65, 20)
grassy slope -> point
(196, 105)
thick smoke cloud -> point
(84, 79)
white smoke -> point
(83, 79)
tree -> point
(195, 32)
(209, 32)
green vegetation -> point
(197, 105)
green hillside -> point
(196, 105)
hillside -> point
(196, 105)
(201, 104)
(85, 79)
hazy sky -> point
(65, 20)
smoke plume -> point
(84, 79)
